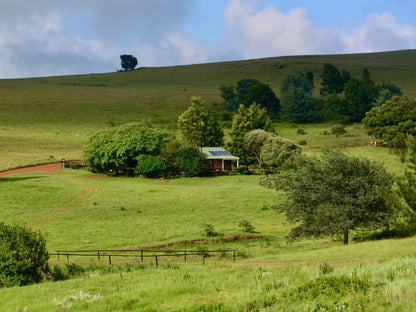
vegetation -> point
(23, 255)
(198, 125)
(45, 119)
(333, 195)
(128, 62)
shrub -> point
(208, 230)
(301, 131)
(242, 170)
(22, 255)
(302, 142)
(151, 166)
(338, 129)
(246, 226)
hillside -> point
(44, 119)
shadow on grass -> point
(16, 179)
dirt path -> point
(42, 168)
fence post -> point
(141, 254)
(234, 255)
(157, 263)
(184, 255)
(67, 256)
(109, 259)
(58, 254)
(98, 252)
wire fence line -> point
(110, 255)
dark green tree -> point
(230, 97)
(392, 121)
(358, 99)
(297, 80)
(332, 81)
(23, 255)
(262, 94)
(152, 166)
(245, 120)
(190, 161)
(128, 62)
(243, 88)
(198, 125)
(334, 194)
(298, 105)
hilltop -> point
(47, 118)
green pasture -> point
(50, 117)
(43, 120)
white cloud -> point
(270, 32)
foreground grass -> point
(385, 286)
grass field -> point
(46, 119)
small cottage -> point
(219, 158)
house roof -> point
(217, 153)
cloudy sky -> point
(61, 37)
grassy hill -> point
(44, 119)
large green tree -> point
(334, 194)
(392, 121)
(277, 151)
(198, 125)
(118, 149)
(245, 120)
(254, 141)
(262, 94)
(332, 81)
(358, 99)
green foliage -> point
(209, 230)
(246, 226)
(190, 161)
(230, 97)
(302, 142)
(332, 81)
(334, 194)
(262, 94)
(277, 151)
(325, 268)
(358, 99)
(297, 101)
(245, 120)
(118, 148)
(128, 62)
(23, 254)
(243, 88)
(254, 141)
(392, 120)
(151, 166)
(301, 131)
(198, 125)
(338, 129)
(334, 106)
(334, 287)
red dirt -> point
(43, 168)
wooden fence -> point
(142, 254)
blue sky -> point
(62, 37)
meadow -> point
(46, 119)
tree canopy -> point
(128, 62)
(198, 126)
(334, 194)
(277, 151)
(393, 120)
(118, 149)
(254, 141)
(332, 81)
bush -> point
(302, 142)
(23, 255)
(246, 226)
(208, 230)
(338, 129)
(301, 131)
(151, 166)
(242, 170)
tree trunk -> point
(346, 236)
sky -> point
(65, 37)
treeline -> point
(343, 96)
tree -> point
(190, 161)
(334, 194)
(230, 97)
(276, 151)
(254, 141)
(245, 120)
(152, 166)
(118, 149)
(388, 89)
(358, 99)
(298, 105)
(392, 121)
(128, 62)
(198, 125)
(332, 81)
(23, 254)
(262, 94)
(297, 80)
(243, 88)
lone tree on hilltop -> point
(334, 194)
(128, 62)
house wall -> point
(216, 165)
